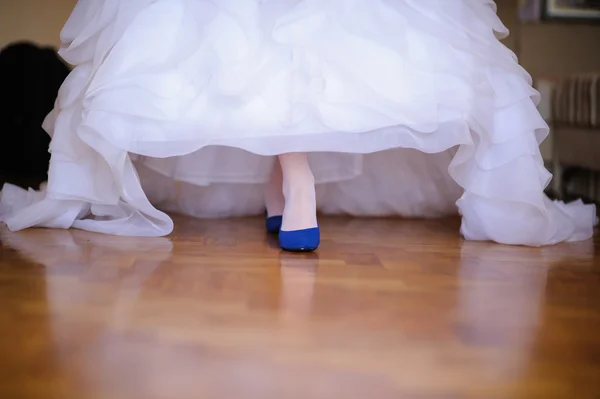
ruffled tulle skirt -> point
(407, 107)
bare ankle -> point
(299, 191)
(274, 199)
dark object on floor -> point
(30, 77)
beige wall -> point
(551, 50)
(556, 50)
(37, 20)
(507, 11)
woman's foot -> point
(274, 200)
(299, 230)
(300, 211)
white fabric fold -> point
(405, 106)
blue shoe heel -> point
(273, 224)
(306, 240)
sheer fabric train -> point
(408, 107)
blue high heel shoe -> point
(273, 223)
(306, 240)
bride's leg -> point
(274, 200)
(300, 210)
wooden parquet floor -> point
(385, 309)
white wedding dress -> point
(408, 107)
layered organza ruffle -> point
(405, 105)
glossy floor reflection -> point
(386, 309)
